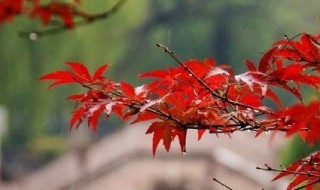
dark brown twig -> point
(62, 28)
(284, 170)
(268, 168)
(224, 185)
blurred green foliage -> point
(297, 149)
(47, 147)
(230, 31)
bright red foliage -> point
(9, 9)
(167, 131)
(79, 74)
(63, 10)
(36, 9)
(207, 97)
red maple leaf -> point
(78, 74)
(127, 89)
(63, 10)
(9, 9)
(166, 131)
(300, 119)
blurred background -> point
(34, 122)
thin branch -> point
(178, 60)
(224, 185)
(302, 56)
(292, 38)
(223, 98)
(268, 168)
(290, 43)
(82, 84)
(229, 127)
(62, 28)
(284, 170)
(136, 105)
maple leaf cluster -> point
(64, 11)
(306, 170)
(210, 98)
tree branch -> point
(268, 168)
(62, 28)
(219, 182)
(223, 98)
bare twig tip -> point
(224, 185)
